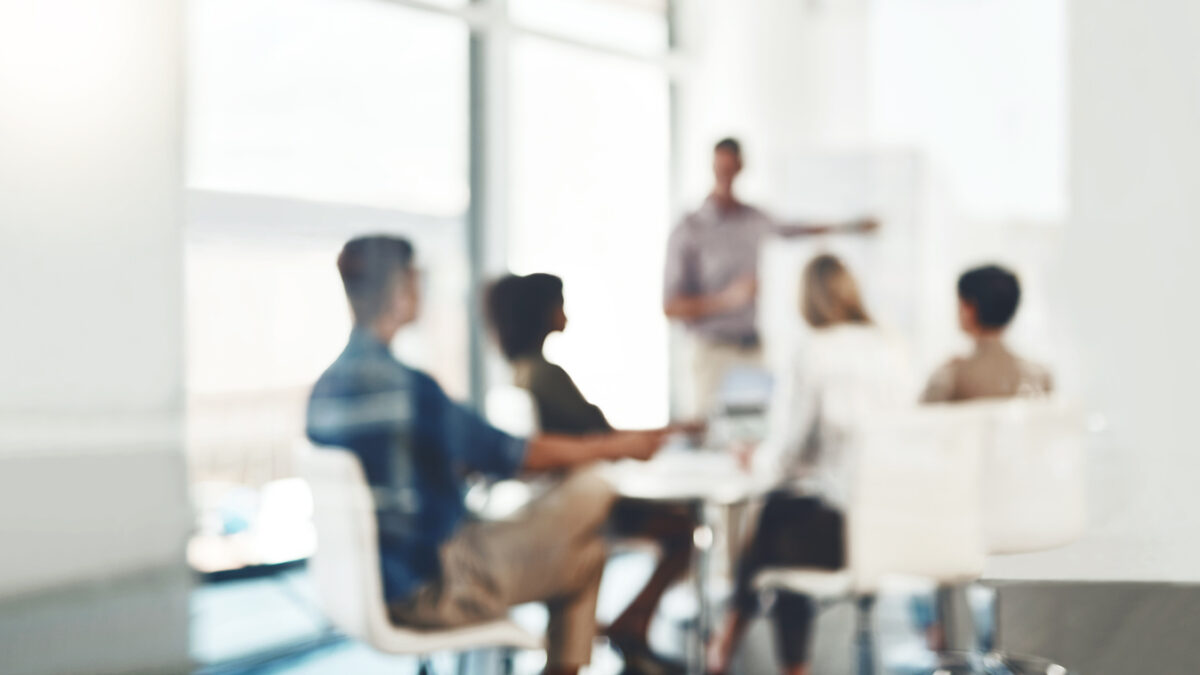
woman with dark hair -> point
(523, 311)
(847, 370)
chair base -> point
(1025, 665)
(994, 663)
(499, 634)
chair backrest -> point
(915, 509)
(1033, 474)
(512, 410)
(345, 569)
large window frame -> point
(492, 33)
(218, 456)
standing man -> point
(711, 279)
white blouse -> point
(837, 380)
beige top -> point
(991, 371)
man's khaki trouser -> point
(552, 552)
(711, 362)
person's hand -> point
(689, 427)
(740, 293)
(692, 430)
(743, 452)
(640, 445)
(866, 225)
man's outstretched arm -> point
(798, 229)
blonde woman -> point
(846, 370)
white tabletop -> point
(684, 475)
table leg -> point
(702, 538)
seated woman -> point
(523, 311)
(847, 369)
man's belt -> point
(741, 342)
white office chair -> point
(512, 410)
(345, 569)
(1033, 487)
(1032, 493)
(914, 513)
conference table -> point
(704, 481)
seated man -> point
(987, 301)
(416, 446)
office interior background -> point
(177, 177)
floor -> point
(272, 625)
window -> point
(311, 121)
(629, 25)
(601, 223)
(349, 101)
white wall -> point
(980, 88)
(1135, 102)
(90, 261)
(92, 492)
(780, 75)
(1129, 275)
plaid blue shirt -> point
(416, 446)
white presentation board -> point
(834, 187)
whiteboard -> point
(834, 187)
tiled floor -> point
(271, 625)
(237, 625)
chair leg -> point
(508, 657)
(1011, 662)
(424, 666)
(864, 638)
(987, 627)
(954, 615)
